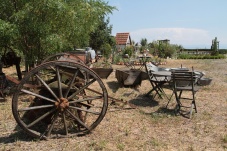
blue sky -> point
(190, 23)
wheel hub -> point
(62, 103)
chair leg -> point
(178, 98)
(193, 102)
(177, 109)
(155, 87)
(192, 107)
(169, 99)
(180, 94)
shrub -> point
(129, 50)
(106, 50)
(207, 56)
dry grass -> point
(150, 127)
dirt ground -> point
(148, 127)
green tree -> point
(42, 27)
(106, 50)
(129, 50)
(101, 35)
(154, 48)
(164, 50)
(214, 47)
(144, 44)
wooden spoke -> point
(35, 108)
(65, 125)
(41, 118)
(81, 89)
(59, 82)
(47, 87)
(71, 83)
(52, 124)
(77, 119)
(86, 105)
(81, 109)
(37, 95)
(86, 99)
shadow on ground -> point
(114, 86)
(162, 112)
(144, 101)
(18, 135)
(147, 101)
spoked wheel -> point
(61, 103)
(63, 57)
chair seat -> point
(187, 88)
(159, 79)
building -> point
(165, 41)
(122, 40)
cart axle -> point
(62, 103)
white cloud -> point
(188, 37)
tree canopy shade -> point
(39, 28)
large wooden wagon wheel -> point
(63, 56)
(61, 103)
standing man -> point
(93, 54)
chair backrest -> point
(179, 69)
(184, 78)
(151, 67)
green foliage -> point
(40, 28)
(106, 50)
(153, 47)
(142, 48)
(117, 58)
(143, 42)
(129, 50)
(8, 32)
(215, 53)
(222, 51)
(163, 50)
(214, 47)
(206, 56)
(101, 35)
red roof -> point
(122, 38)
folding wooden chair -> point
(185, 81)
(157, 82)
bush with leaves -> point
(207, 56)
(164, 50)
(129, 50)
(106, 50)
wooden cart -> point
(62, 97)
